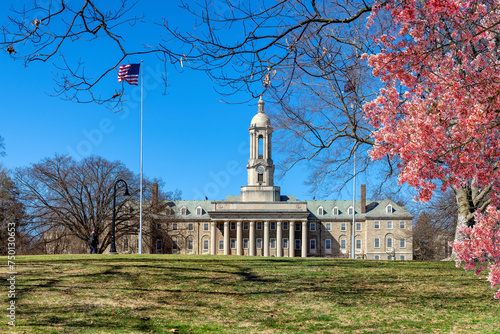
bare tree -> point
(304, 55)
(435, 227)
(69, 199)
(11, 209)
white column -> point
(226, 238)
(239, 238)
(212, 238)
(264, 146)
(304, 239)
(279, 242)
(291, 241)
(252, 145)
(266, 238)
(251, 241)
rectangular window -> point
(158, 245)
(259, 243)
(174, 244)
(377, 243)
(376, 225)
(191, 227)
(233, 243)
(272, 225)
(358, 244)
(402, 243)
(389, 257)
(389, 225)
(259, 225)
(297, 227)
(221, 244)
(285, 243)
(205, 244)
(233, 226)
(343, 226)
(205, 227)
(312, 244)
(190, 244)
(125, 244)
(221, 228)
(245, 225)
(377, 257)
(273, 243)
(402, 225)
(312, 226)
(342, 244)
(358, 226)
(285, 225)
(402, 257)
(328, 226)
(389, 242)
(297, 243)
(328, 244)
(174, 226)
(245, 243)
(260, 178)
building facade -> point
(262, 222)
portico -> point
(258, 228)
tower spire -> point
(261, 105)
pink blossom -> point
(445, 131)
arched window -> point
(335, 211)
(199, 211)
(261, 147)
(350, 211)
(183, 211)
(388, 208)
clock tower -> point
(260, 168)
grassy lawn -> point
(224, 294)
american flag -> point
(129, 73)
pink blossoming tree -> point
(438, 113)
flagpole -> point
(140, 213)
(353, 208)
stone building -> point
(262, 222)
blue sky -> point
(192, 140)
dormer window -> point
(199, 211)
(184, 211)
(335, 211)
(321, 212)
(350, 211)
(388, 208)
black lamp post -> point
(127, 194)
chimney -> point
(363, 198)
(155, 194)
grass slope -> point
(224, 294)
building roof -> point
(374, 209)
